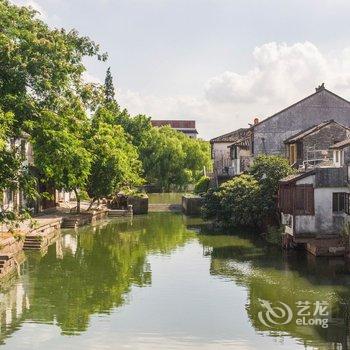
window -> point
(233, 152)
(298, 200)
(341, 202)
(304, 200)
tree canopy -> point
(82, 139)
(249, 199)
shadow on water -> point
(294, 278)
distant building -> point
(188, 127)
(225, 151)
(233, 152)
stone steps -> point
(33, 243)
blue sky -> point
(220, 62)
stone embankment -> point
(38, 234)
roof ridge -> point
(229, 133)
(310, 130)
(300, 101)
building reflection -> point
(269, 274)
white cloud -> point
(281, 73)
(89, 78)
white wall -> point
(221, 155)
(304, 224)
(327, 222)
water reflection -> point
(292, 278)
(159, 280)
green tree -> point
(61, 155)
(236, 203)
(268, 171)
(109, 87)
(202, 185)
(115, 162)
(171, 160)
(249, 200)
(163, 159)
(40, 68)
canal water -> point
(161, 281)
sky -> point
(219, 62)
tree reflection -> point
(269, 274)
(96, 269)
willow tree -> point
(172, 160)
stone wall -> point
(191, 204)
(139, 204)
(323, 139)
(321, 106)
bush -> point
(211, 203)
(235, 203)
(268, 171)
(249, 200)
(202, 185)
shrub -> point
(240, 201)
(268, 171)
(235, 203)
(202, 185)
(211, 203)
(249, 200)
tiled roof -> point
(297, 176)
(341, 144)
(176, 124)
(320, 89)
(232, 136)
(300, 135)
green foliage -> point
(248, 200)
(60, 153)
(274, 235)
(109, 87)
(268, 171)
(40, 68)
(211, 204)
(115, 162)
(13, 219)
(171, 160)
(202, 185)
(240, 201)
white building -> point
(315, 207)
(13, 199)
(226, 152)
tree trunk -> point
(77, 196)
(92, 202)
